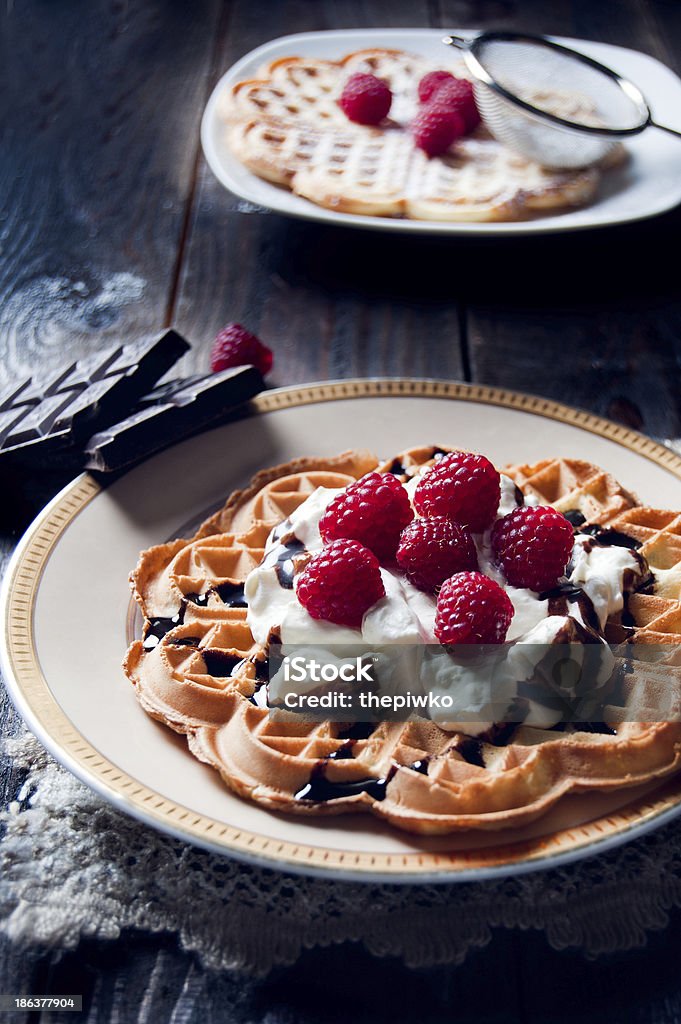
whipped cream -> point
(406, 615)
(599, 572)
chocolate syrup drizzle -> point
(283, 559)
(320, 789)
(470, 749)
(220, 663)
(574, 517)
(357, 731)
(158, 628)
(232, 594)
(563, 595)
(606, 538)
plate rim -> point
(418, 227)
(33, 698)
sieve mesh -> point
(559, 82)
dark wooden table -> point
(111, 226)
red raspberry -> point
(533, 545)
(373, 511)
(458, 95)
(461, 486)
(435, 128)
(472, 609)
(235, 346)
(365, 99)
(432, 550)
(431, 82)
(341, 583)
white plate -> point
(648, 184)
(66, 601)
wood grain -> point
(332, 302)
(97, 158)
(111, 225)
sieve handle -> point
(666, 128)
(458, 41)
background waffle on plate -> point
(286, 126)
(200, 671)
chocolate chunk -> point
(170, 413)
(44, 421)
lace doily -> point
(72, 866)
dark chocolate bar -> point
(170, 413)
(43, 422)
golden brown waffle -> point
(286, 126)
(190, 593)
(423, 779)
(203, 674)
(572, 485)
(655, 613)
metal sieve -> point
(551, 103)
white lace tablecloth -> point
(72, 866)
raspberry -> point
(431, 82)
(365, 99)
(341, 583)
(235, 346)
(533, 545)
(461, 486)
(435, 128)
(458, 95)
(373, 511)
(432, 550)
(472, 609)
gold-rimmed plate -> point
(65, 608)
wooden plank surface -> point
(333, 303)
(111, 226)
(98, 107)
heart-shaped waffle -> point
(286, 126)
(199, 670)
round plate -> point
(65, 606)
(648, 184)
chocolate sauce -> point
(611, 538)
(220, 663)
(319, 788)
(498, 734)
(158, 628)
(563, 595)
(646, 585)
(592, 727)
(187, 641)
(343, 753)
(519, 496)
(574, 517)
(262, 669)
(357, 731)
(232, 594)
(420, 766)
(284, 557)
(397, 467)
(470, 749)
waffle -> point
(574, 486)
(571, 485)
(190, 593)
(286, 126)
(200, 671)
